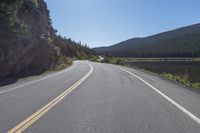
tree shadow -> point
(7, 81)
(13, 79)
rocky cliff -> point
(25, 38)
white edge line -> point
(37, 80)
(188, 113)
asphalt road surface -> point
(98, 98)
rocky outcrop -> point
(25, 38)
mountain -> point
(28, 42)
(182, 42)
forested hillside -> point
(183, 42)
(69, 48)
(29, 43)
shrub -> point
(181, 79)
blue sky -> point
(106, 22)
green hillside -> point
(182, 42)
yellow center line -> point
(38, 114)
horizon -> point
(98, 24)
(198, 24)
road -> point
(98, 98)
(100, 58)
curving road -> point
(98, 98)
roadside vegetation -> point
(131, 59)
(159, 59)
(114, 60)
(93, 58)
(64, 62)
(124, 60)
(181, 79)
(68, 51)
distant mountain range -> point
(182, 42)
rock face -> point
(25, 38)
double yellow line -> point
(34, 117)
